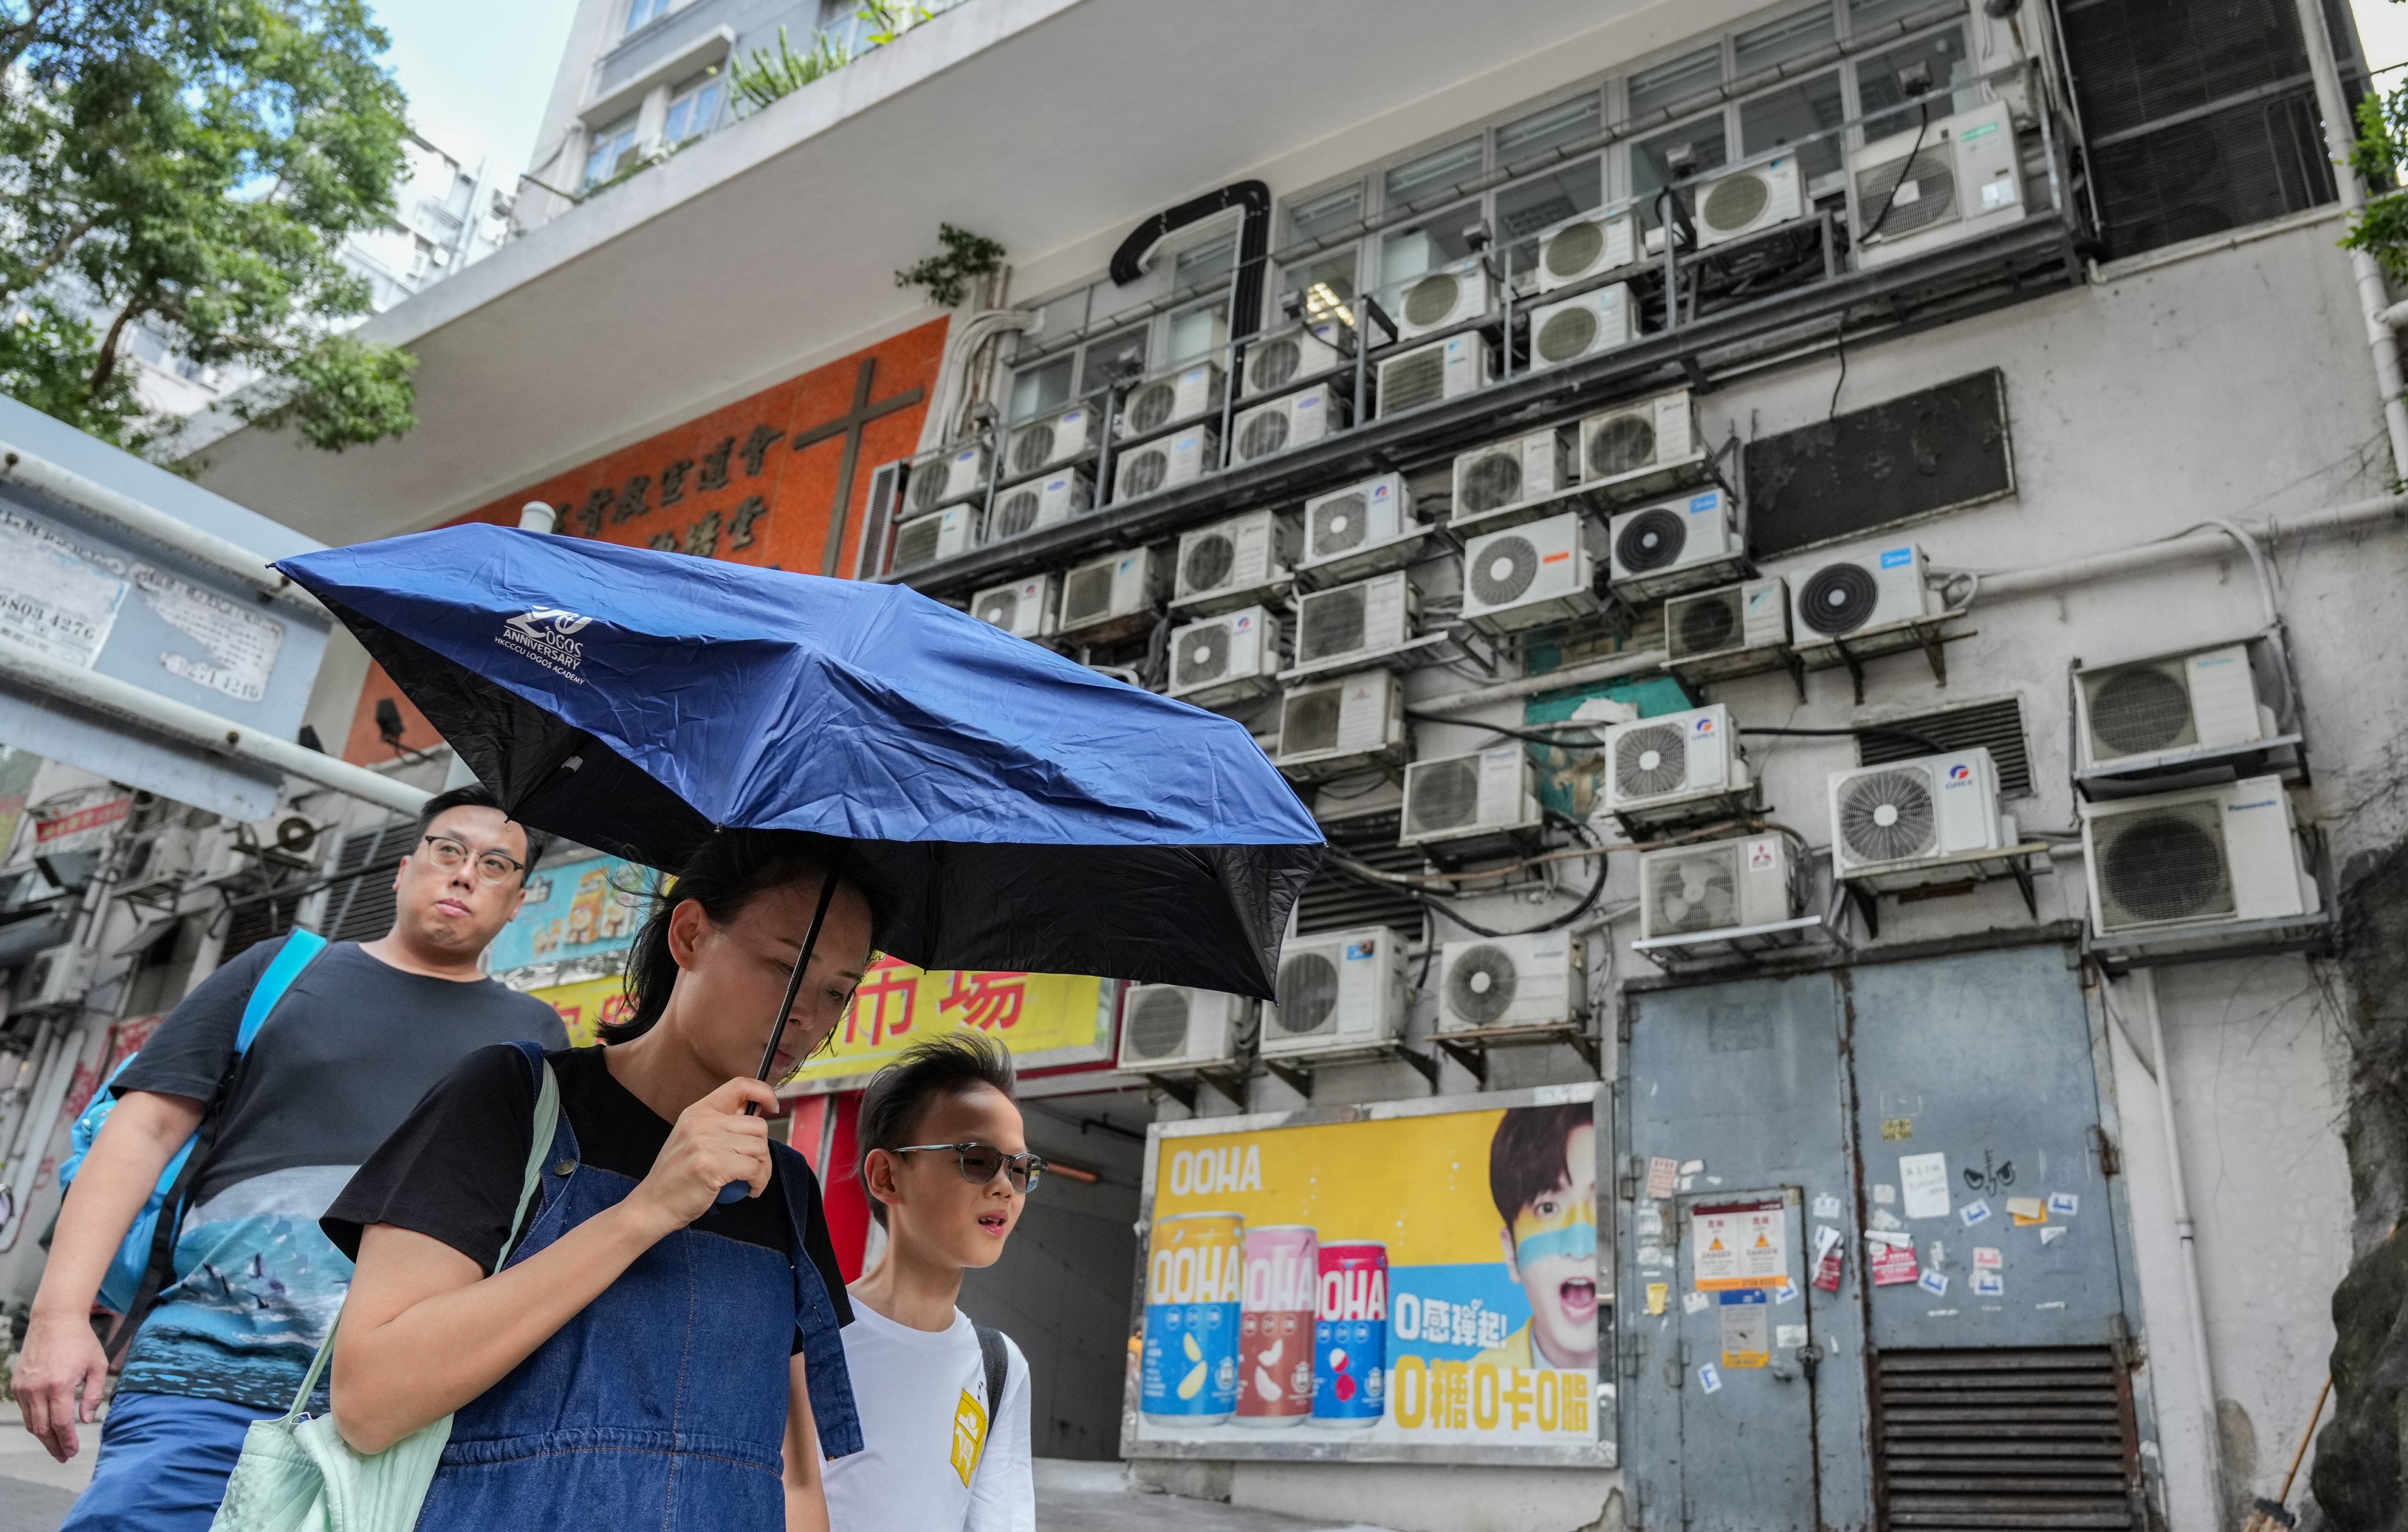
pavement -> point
(34, 1492)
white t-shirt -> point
(931, 1461)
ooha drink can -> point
(1349, 1334)
(1193, 1283)
(1275, 1332)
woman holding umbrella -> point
(649, 1354)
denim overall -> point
(663, 1404)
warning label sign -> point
(1739, 1245)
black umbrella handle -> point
(736, 1190)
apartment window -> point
(643, 13)
(1564, 122)
(1198, 332)
(1794, 114)
(1673, 84)
(1433, 173)
(1327, 279)
(1865, 14)
(1121, 355)
(1204, 266)
(1899, 88)
(1425, 245)
(692, 110)
(1777, 42)
(163, 968)
(1036, 389)
(614, 151)
(1677, 153)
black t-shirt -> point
(455, 1169)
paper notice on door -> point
(2027, 1210)
(1739, 1245)
(1661, 1174)
(1923, 1180)
(1746, 1331)
(1657, 1293)
(57, 599)
(1893, 1265)
(241, 644)
(1789, 1336)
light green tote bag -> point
(297, 1474)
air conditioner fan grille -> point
(1888, 816)
(1087, 594)
(1143, 472)
(1157, 1023)
(1033, 447)
(1507, 566)
(1410, 381)
(1308, 995)
(1273, 362)
(1016, 514)
(1209, 561)
(1651, 541)
(1151, 406)
(1430, 301)
(999, 608)
(1266, 433)
(1340, 523)
(1651, 761)
(1572, 249)
(2141, 710)
(1624, 444)
(1695, 892)
(1839, 598)
(2165, 863)
(1334, 624)
(1567, 333)
(1734, 202)
(1480, 984)
(1492, 479)
(1444, 796)
(1705, 624)
(1309, 722)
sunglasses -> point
(980, 1162)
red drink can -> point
(1275, 1330)
(1349, 1335)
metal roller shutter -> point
(2038, 1437)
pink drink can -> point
(1349, 1334)
(1275, 1330)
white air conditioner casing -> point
(1675, 545)
(1890, 817)
(1182, 457)
(1451, 295)
(1443, 369)
(1728, 621)
(1174, 396)
(1337, 991)
(55, 976)
(1329, 726)
(1111, 595)
(1365, 618)
(1583, 246)
(1853, 594)
(1024, 610)
(1719, 885)
(1511, 481)
(1224, 566)
(1040, 502)
(1275, 360)
(2179, 706)
(1653, 762)
(1591, 324)
(1467, 803)
(1298, 419)
(1225, 659)
(1529, 576)
(1965, 179)
(1067, 436)
(944, 477)
(1520, 980)
(924, 539)
(1753, 197)
(1346, 523)
(1639, 448)
(1171, 1027)
(2220, 855)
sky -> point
(2383, 30)
(476, 72)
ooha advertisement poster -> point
(1410, 1282)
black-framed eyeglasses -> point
(492, 867)
(980, 1162)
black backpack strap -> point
(998, 1362)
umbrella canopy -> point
(1016, 810)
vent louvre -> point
(1334, 902)
(1410, 381)
(1996, 726)
(2006, 1436)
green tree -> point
(193, 166)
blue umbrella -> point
(1017, 811)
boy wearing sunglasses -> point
(943, 1402)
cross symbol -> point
(848, 426)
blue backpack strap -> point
(299, 949)
(833, 1411)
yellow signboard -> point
(1045, 1019)
(585, 1006)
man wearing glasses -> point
(347, 1050)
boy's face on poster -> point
(1551, 1250)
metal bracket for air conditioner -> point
(1449, 646)
(1938, 877)
(1295, 1070)
(1731, 663)
(1377, 558)
(1694, 951)
(1739, 807)
(1183, 1087)
(1470, 1046)
(1851, 650)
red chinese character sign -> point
(1046, 1020)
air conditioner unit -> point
(1225, 659)
(1525, 980)
(945, 478)
(1755, 196)
(55, 976)
(1452, 294)
(1850, 595)
(1443, 369)
(1025, 609)
(1224, 566)
(1507, 481)
(1064, 436)
(924, 539)
(1654, 762)
(2217, 856)
(1297, 421)
(1171, 1027)
(1720, 885)
(2180, 704)
(1182, 457)
(1040, 502)
(1529, 576)
(1678, 545)
(1888, 817)
(1728, 621)
(1337, 991)
(1111, 597)
(1591, 324)
(1586, 246)
(1368, 617)
(1965, 177)
(1273, 362)
(1641, 447)
(1467, 804)
(1333, 726)
(1159, 402)
(1346, 523)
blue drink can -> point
(1194, 1286)
(1349, 1335)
